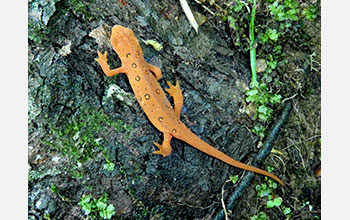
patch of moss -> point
(36, 32)
(35, 174)
(84, 136)
(81, 9)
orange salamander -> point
(143, 78)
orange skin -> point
(143, 78)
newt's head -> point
(124, 41)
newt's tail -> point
(199, 144)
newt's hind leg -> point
(102, 60)
(164, 148)
(156, 71)
(176, 93)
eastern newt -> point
(143, 78)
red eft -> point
(143, 78)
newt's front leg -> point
(176, 93)
(155, 70)
(102, 60)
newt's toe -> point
(161, 150)
(101, 57)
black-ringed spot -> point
(157, 91)
(137, 78)
(147, 97)
(134, 65)
(174, 130)
(161, 119)
(128, 55)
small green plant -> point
(287, 212)
(263, 190)
(238, 6)
(272, 202)
(269, 35)
(55, 190)
(233, 178)
(307, 203)
(263, 98)
(272, 63)
(109, 166)
(311, 12)
(266, 191)
(259, 130)
(97, 208)
(260, 216)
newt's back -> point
(143, 82)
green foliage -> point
(47, 216)
(274, 202)
(236, 16)
(260, 216)
(270, 168)
(109, 166)
(263, 98)
(54, 189)
(97, 208)
(263, 190)
(272, 63)
(266, 191)
(287, 212)
(311, 12)
(259, 130)
(258, 92)
(288, 10)
(233, 178)
(284, 24)
(238, 6)
(308, 205)
(269, 35)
